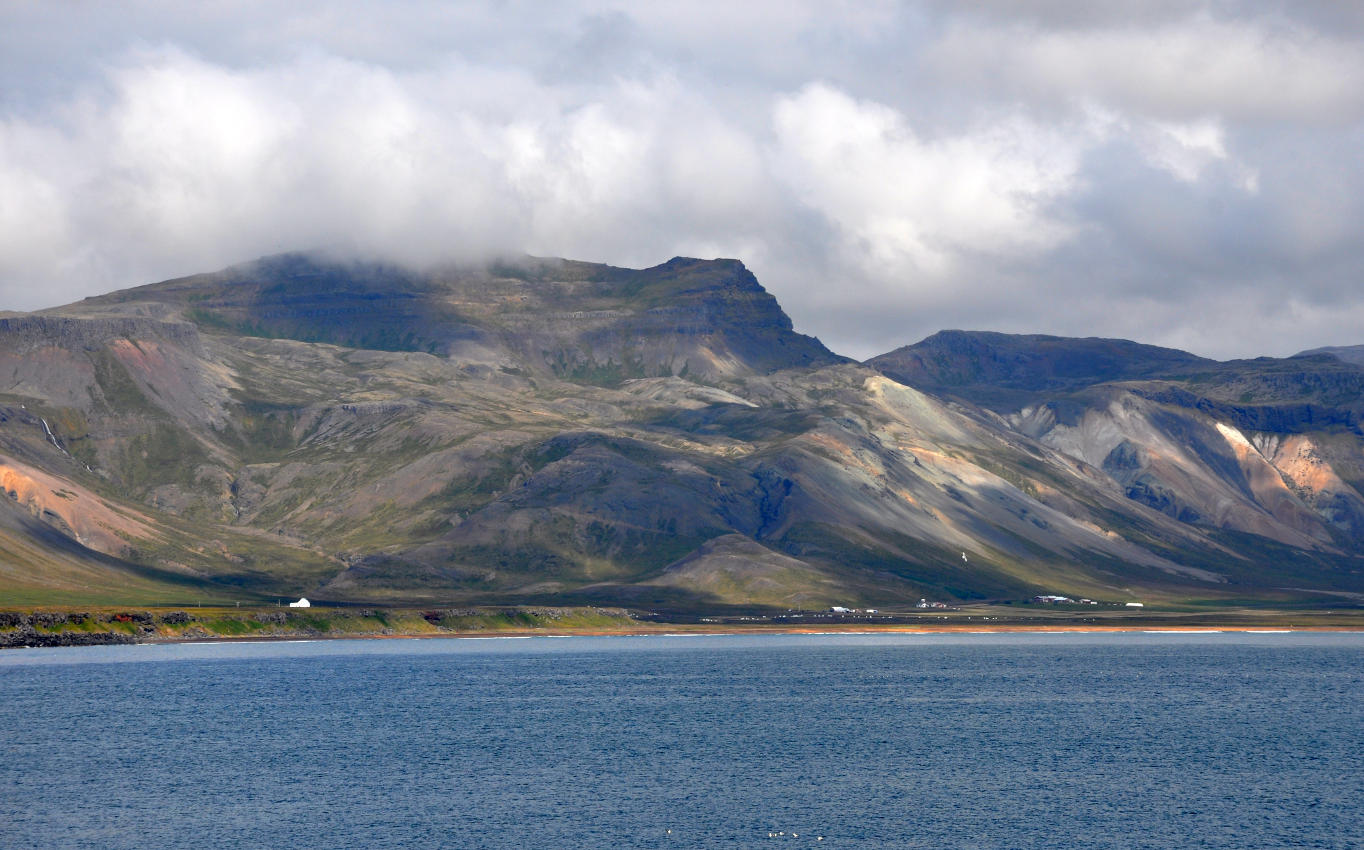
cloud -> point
(186, 165)
(1177, 70)
(35, 234)
(905, 205)
(1160, 170)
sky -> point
(1188, 174)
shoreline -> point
(114, 626)
(748, 630)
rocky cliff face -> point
(551, 431)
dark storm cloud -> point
(1169, 171)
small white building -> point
(839, 609)
(301, 603)
(1135, 605)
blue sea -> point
(1226, 740)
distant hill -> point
(988, 367)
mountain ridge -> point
(580, 320)
(551, 431)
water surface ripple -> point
(1009, 741)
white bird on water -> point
(963, 556)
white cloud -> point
(907, 205)
(1180, 69)
(35, 232)
(186, 165)
(886, 168)
(1186, 150)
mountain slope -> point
(1263, 447)
(551, 431)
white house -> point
(1135, 605)
(301, 603)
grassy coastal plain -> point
(90, 626)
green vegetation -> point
(163, 454)
(588, 371)
(265, 428)
(208, 318)
(920, 568)
(232, 626)
(119, 394)
(111, 625)
(58, 627)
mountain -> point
(580, 321)
(1265, 447)
(548, 431)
